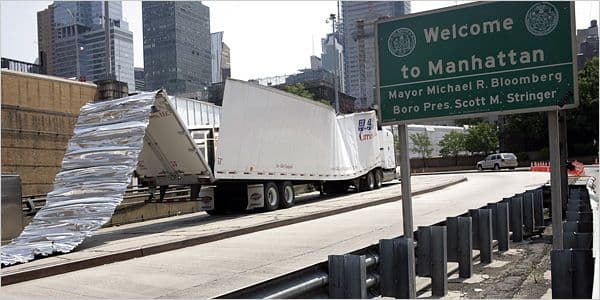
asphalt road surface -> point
(215, 268)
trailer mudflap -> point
(256, 196)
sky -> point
(267, 38)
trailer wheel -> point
(356, 183)
(287, 194)
(271, 196)
(378, 178)
(368, 181)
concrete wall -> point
(38, 116)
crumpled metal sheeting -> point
(96, 170)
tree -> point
(482, 137)
(421, 145)
(300, 90)
(452, 144)
(582, 122)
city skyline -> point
(300, 33)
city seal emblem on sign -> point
(402, 42)
(541, 18)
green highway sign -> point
(477, 59)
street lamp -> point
(335, 69)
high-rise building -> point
(358, 35)
(88, 39)
(220, 58)
(140, 83)
(226, 62)
(177, 46)
(587, 43)
(45, 19)
(332, 58)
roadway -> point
(215, 268)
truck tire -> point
(368, 181)
(287, 195)
(378, 178)
(356, 183)
(271, 197)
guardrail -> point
(33, 203)
(390, 267)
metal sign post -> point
(407, 213)
(555, 180)
(475, 60)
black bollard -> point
(397, 268)
(502, 221)
(528, 215)
(460, 244)
(347, 276)
(572, 274)
(439, 261)
(538, 205)
(485, 236)
(516, 218)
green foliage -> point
(529, 132)
(588, 82)
(421, 144)
(582, 122)
(323, 101)
(300, 90)
(452, 143)
(482, 138)
(470, 121)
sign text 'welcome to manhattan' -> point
(478, 59)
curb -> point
(75, 265)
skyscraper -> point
(45, 19)
(89, 39)
(221, 67)
(177, 54)
(332, 58)
(358, 34)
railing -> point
(315, 281)
(33, 203)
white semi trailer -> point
(266, 142)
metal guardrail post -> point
(516, 218)
(538, 207)
(397, 268)
(460, 244)
(432, 257)
(578, 226)
(579, 216)
(572, 273)
(577, 240)
(485, 235)
(439, 260)
(347, 276)
(502, 221)
(577, 206)
(423, 251)
(482, 233)
(528, 215)
(508, 201)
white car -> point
(498, 161)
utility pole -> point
(336, 64)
